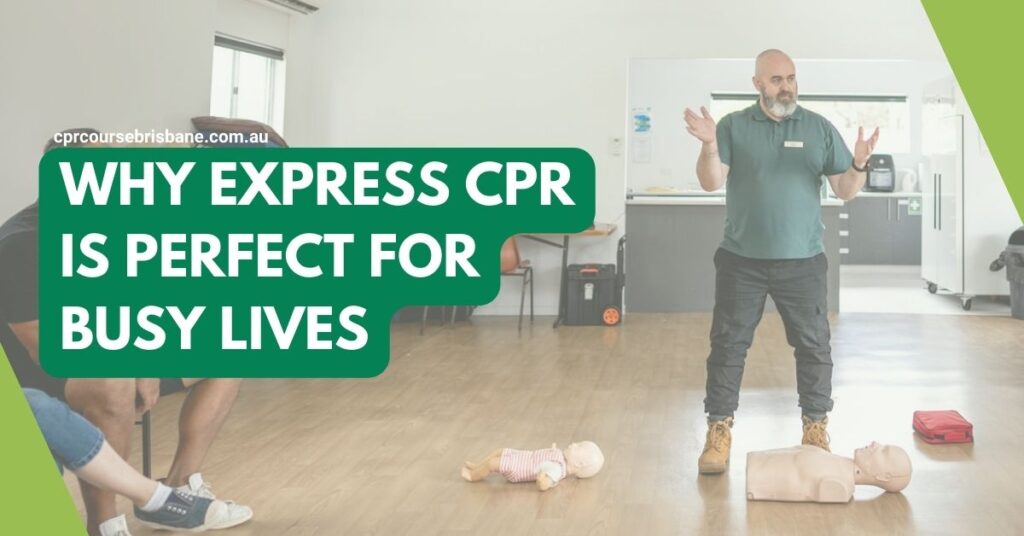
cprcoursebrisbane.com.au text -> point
(159, 137)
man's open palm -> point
(701, 126)
(864, 148)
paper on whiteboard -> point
(640, 146)
(641, 119)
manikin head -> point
(775, 79)
(885, 466)
(583, 459)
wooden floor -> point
(381, 456)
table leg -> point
(563, 286)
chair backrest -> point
(509, 255)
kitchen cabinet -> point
(881, 230)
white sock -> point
(158, 499)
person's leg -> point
(741, 286)
(71, 439)
(109, 471)
(110, 405)
(799, 289)
(156, 504)
(81, 447)
(205, 409)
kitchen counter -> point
(700, 200)
(719, 199)
(900, 195)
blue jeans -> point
(73, 441)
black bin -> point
(592, 291)
(1012, 258)
(1015, 272)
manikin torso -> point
(802, 473)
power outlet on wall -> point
(615, 146)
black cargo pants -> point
(798, 288)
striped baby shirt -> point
(523, 465)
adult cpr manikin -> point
(807, 473)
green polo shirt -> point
(773, 191)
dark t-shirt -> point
(19, 296)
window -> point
(248, 81)
(890, 113)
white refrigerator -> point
(967, 213)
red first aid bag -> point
(946, 426)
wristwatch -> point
(853, 163)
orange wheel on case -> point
(611, 316)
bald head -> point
(775, 79)
(772, 60)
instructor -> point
(771, 156)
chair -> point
(147, 445)
(451, 319)
(512, 265)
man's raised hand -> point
(701, 126)
(863, 149)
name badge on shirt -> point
(794, 144)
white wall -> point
(114, 65)
(669, 86)
(543, 73)
(407, 73)
(253, 21)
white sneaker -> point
(236, 513)
(115, 526)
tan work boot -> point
(715, 457)
(815, 433)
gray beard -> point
(777, 108)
